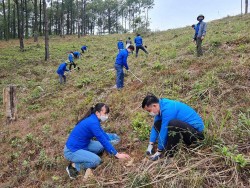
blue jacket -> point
(121, 58)
(169, 110)
(62, 68)
(120, 45)
(200, 30)
(138, 41)
(71, 58)
(84, 48)
(77, 54)
(84, 131)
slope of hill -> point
(216, 85)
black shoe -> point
(72, 172)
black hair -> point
(138, 34)
(96, 108)
(149, 99)
(131, 47)
(193, 26)
(129, 38)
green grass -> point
(216, 85)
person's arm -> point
(204, 31)
(124, 61)
(101, 137)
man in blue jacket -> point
(139, 45)
(60, 71)
(121, 61)
(84, 48)
(173, 121)
(120, 45)
(200, 32)
(71, 60)
(76, 54)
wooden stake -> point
(10, 103)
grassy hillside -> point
(216, 85)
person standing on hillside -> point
(84, 48)
(60, 71)
(173, 121)
(139, 45)
(128, 42)
(71, 60)
(120, 62)
(81, 150)
(200, 32)
(120, 45)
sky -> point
(169, 14)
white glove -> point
(156, 156)
(150, 149)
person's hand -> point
(202, 37)
(156, 156)
(149, 150)
(122, 156)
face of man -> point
(153, 109)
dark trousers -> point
(62, 78)
(198, 46)
(70, 65)
(142, 48)
(179, 131)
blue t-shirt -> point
(169, 110)
(86, 130)
(121, 58)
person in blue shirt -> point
(84, 48)
(76, 55)
(60, 71)
(173, 121)
(200, 32)
(120, 45)
(71, 60)
(81, 150)
(139, 45)
(120, 62)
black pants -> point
(142, 48)
(70, 65)
(177, 131)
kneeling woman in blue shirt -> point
(81, 150)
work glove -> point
(156, 156)
(149, 150)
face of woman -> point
(102, 115)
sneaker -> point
(72, 172)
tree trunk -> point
(20, 22)
(14, 22)
(40, 20)
(35, 32)
(4, 22)
(246, 6)
(62, 21)
(46, 31)
(51, 18)
(84, 17)
(78, 19)
(10, 103)
(9, 21)
(26, 20)
(22, 26)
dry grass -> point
(216, 85)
